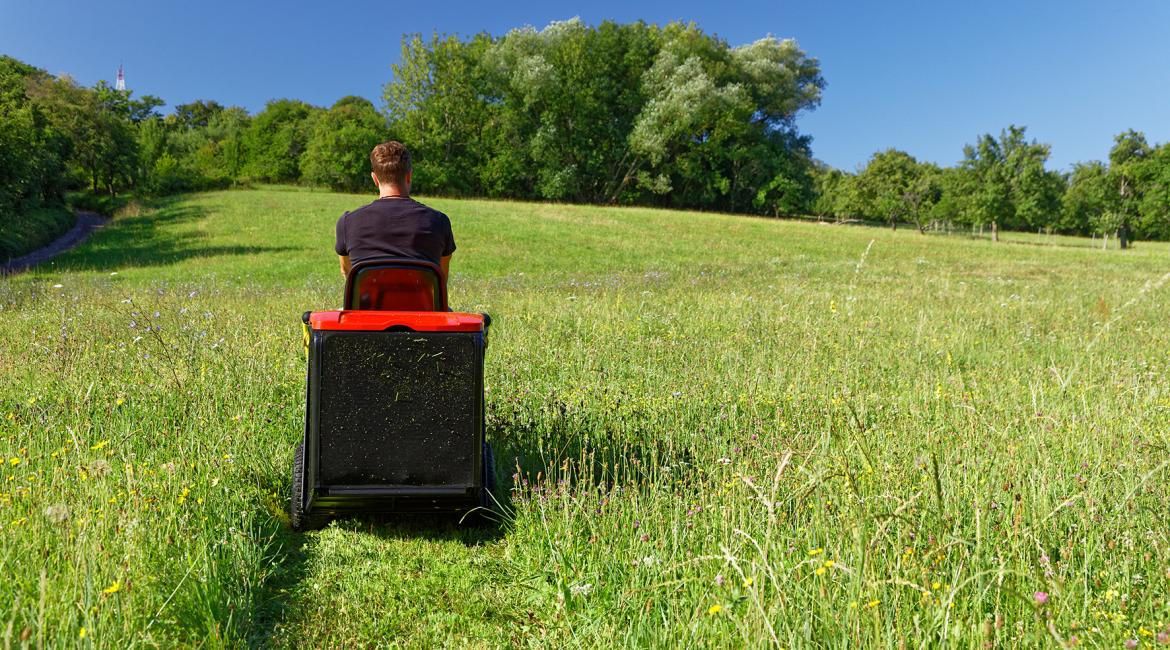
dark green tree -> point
(276, 138)
(197, 114)
(894, 186)
(1127, 171)
(1010, 186)
(339, 147)
(1088, 199)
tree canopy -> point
(629, 113)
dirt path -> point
(87, 222)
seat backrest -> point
(393, 284)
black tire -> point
(296, 512)
(487, 499)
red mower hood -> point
(377, 321)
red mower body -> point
(394, 417)
(381, 321)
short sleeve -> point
(341, 246)
(449, 244)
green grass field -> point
(721, 432)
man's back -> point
(395, 227)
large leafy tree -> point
(442, 106)
(895, 186)
(828, 187)
(1127, 171)
(1129, 196)
(197, 114)
(1088, 199)
(570, 94)
(276, 138)
(1154, 206)
(718, 125)
(339, 147)
(957, 186)
(612, 113)
(100, 124)
(1011, 186)
(33, 153)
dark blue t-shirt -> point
(394, 227)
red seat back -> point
(395, 285)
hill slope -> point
(724, 432)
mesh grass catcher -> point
(394, 414)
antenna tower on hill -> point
(121, 83)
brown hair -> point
(391, 162)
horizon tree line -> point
(623, 114)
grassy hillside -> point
(26, 232)
(721, 432)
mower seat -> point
(395, 284)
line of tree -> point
(1003, 183)
(614, 114)
(617, 113)
(57, 135)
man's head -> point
(390, 162)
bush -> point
(102, 204)
(170, 175)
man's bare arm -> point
(344, 265)
(445, 267)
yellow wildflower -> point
(81, 633)
(14, 461)
(816, 551)
(747, 582)
(119, 402)
(100, 445)
(32, 400)
(829, 564)
(820, 571)
(714, 609)
(935, 585)
(114, 588)
(873, 603)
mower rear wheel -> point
(296, 511)
(487, 500)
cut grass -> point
(724, 432)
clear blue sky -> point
(924, 76)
